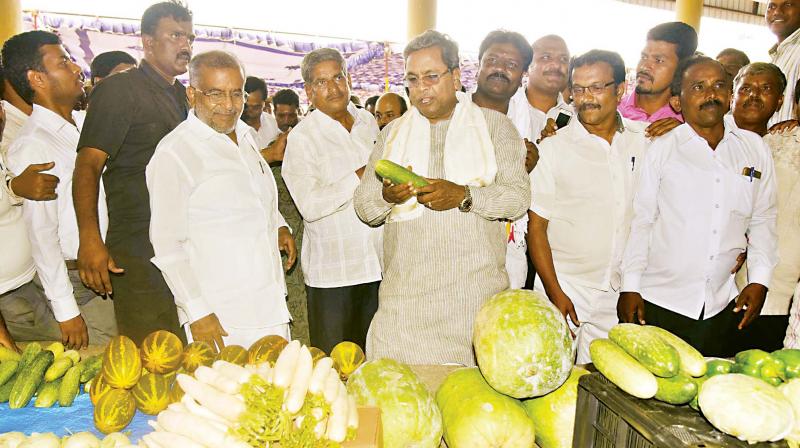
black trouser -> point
(766, 333)
(712, 336)
(341, 314)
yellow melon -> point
(162, 352)
(347, 357)
(266, 349)
(235, 354)
(122, 365)
(151, 393)
(197, 354)
(114, 411)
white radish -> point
(150, 442)
(352, 413)
(194, 408)
(285, 365)
(299, 387)
(331, 388)
(156, 427)
(199, 429)
(172, 440)
(337, 422)
(319, 374)
(232, 371)
(218, 380)
(265, 372)
(226, 406)
(178, 406)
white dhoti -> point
(246, 336)
(516, 252)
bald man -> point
(389, 107)
(547, 77)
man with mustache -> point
(667, 45)
(547, 78)
(783, 19)
(758, 92)
(390, 106)
(128, 115)
(707, 192)
(325, 159)
(581, 193)
(444, 243)
(503, 56)
(220, 257)
(39, 68)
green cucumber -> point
(387, 169)
(680, 389)
(718, 367)
(28, 381)
(48, 395)
(691, 360)
(70, 386)
(790, 357)
(6, 354)
(5, 389)
(57, 369)
(622, 369)
(7, 370)
(30, 352)
(652, 351)
(91, 367)
(754, 357)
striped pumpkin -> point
(316, 354)
(122, 365)
(114, 411)
(162, 352)
(99, 388)
(175, 393)
(235, 354)
(347, 357)
(266, 349)
(197, 354)
(151, 393)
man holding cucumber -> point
(707, 193)
(444, 242)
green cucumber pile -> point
(52, 375)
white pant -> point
(246, 336)
(516, 253)
(596, 310)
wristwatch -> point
(466, 203)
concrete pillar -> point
(689, 12)
(10, 19)
(421, 16)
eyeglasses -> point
(322, 83)
(430, 79)
(178, 36)
(218, 96)
(594, 89)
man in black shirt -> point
(128, 115)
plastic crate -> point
(607, 417)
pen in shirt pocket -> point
(633, 162)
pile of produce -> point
(50, 440)
(295, 403)
(52, 375)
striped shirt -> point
(441, 267)
(786, 55)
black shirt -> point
(128, 114)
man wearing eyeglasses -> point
(503, 56)
(129, 113)
(444, 243)
(581, 191)
(706, 194)
(215, 226)
(324, 161)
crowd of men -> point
(161, 206)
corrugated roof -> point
(744, 11)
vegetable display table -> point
(607, 417)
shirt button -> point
(714, 231)
(716, 205)
(718, 180)
(711, 257)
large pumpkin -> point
(114, 411)
(234, 354)
(522, 344)
(98, 388)
(122, 365)
(266, 349)
(198, 354)
(162, 352)
(553, 415)
(347, 357)
(151, 393)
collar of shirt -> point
(13, 114)
(793, 39)
(685, 132)
(50, 120)
(205, 132)
(322, 119)
(577, 130)
(156, 77)
(628, 108)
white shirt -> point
(16, 263)
(319, 171)
(15, 118)
(694, 212)
(268, 130)
(52, 225)
(539, 118)
(214, 226)
(786, 56)
(584, 187)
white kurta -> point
(214, 228)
